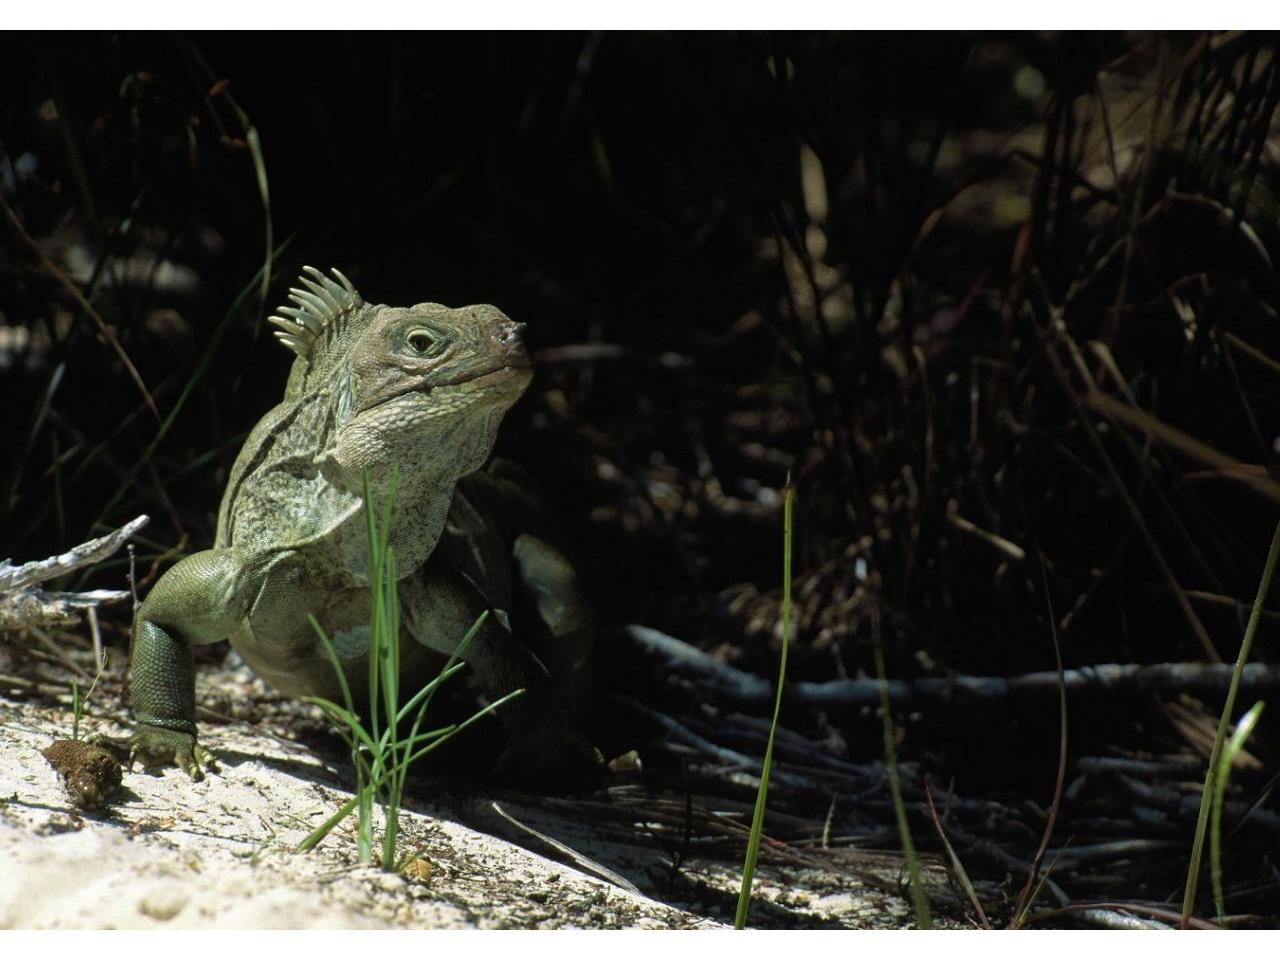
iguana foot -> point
(551, 757)
(157, 747)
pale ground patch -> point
(221, 853)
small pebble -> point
(164, 902)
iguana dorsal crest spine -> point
(320, 309)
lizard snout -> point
(510, 333)
(510, 336)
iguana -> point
(374, 389)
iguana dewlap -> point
(419, 390)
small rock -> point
(627, 763)
(164, 902)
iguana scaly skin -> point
(419, 390)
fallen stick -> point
(24, 604)
(1104, 680)
(1185, 807)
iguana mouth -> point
(522, 372)
(518, 373)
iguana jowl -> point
(419, 390)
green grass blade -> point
(187, 389)
(333, 661)
(348, 722)
(1229, 753)
(77, 708)
(452, 666)
(376, 626)
(428, 689)
(762, 795)
(924, 919)
(260, 172)
(483, 712)
(38, 417)
(322, 831)
(1202, 821)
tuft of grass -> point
(381, 753)
(1215, 768)
(762, 795)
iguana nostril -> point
(511, 333)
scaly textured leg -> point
(195, 602)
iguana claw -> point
(156, 747)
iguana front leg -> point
(197, 601)
(565, 629)
(440, 606)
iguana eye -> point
(420, 341)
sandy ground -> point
(221, 853)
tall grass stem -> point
(1229, 753)
(924, 918)
(762, 794)
(1206, 796)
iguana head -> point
(422, 388)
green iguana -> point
(374, 389)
